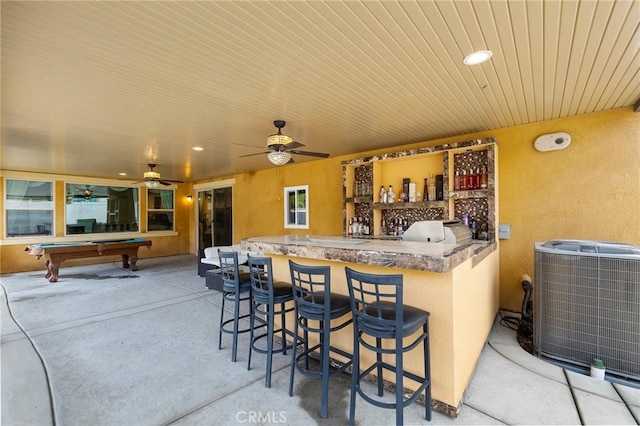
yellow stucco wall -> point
(591, 190)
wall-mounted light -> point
(189, 198)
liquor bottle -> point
(405, 190)
(432, 188)
(383, 227)
(471, 184)
(463, 181)
(456, 181)
(391, 196)
(383, 195)
(439, 187)
(350, 227)
(484, 181)
(425, 191)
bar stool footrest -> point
(275, 351)
(225, 329)
(406, 402)
(333, 371)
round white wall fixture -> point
(552, 142)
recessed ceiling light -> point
(477, 57)
(122, 174)
(197, 148)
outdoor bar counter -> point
(457, 283)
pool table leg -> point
(52, 271)
(129, 260)
(134, 258)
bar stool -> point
(269, 299)
(236, 288)
(315, 302)
(379, 312)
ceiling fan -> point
(152, 179)
(280, 147)
(86, 193)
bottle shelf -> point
(414, 205)
(472, 193)
(358, 199)
(462, 162)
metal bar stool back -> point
(315, 308)
(379, 313)
(269, 299)
(236, 288)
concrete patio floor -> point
(109, 346)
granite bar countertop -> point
(420, 256)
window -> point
(160, 209)
(28, 207)
(94, 209)
(296, 207)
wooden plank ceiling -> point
(88, 88)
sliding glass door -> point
(215, 217)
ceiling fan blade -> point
(169, 181)
(293, 145)
(257, 153)
(244, 144)
(309, 153)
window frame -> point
(162, 210)
(296, 210)
(110, 228)
(51, 208)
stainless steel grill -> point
(587, 304)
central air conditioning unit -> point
(587, 304)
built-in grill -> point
(460, 231)
(438, 231)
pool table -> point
(59, 252)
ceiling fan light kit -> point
(279, 158)
(278, 138)
(151, 175)
(151, 179)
